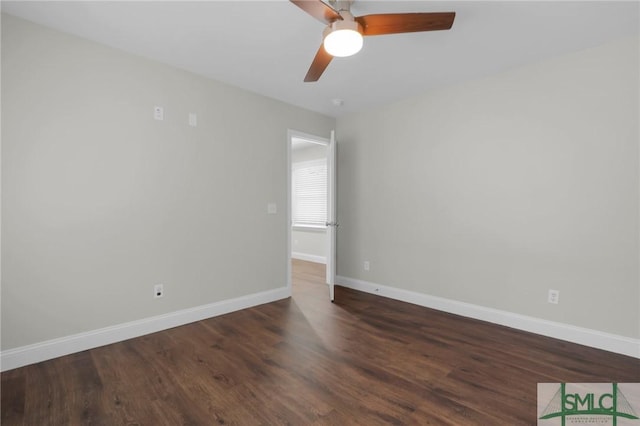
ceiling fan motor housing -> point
(345, 24)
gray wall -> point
(496, 190)
(100, 202)
(309, 242)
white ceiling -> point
(267, 46)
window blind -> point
(309, 193)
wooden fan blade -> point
(318, 10)
(319, 64)
(395, 23)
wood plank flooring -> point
(363, 360)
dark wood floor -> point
(363, 360)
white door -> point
(332, 223)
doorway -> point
(308, 178)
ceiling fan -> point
(343, 34)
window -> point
(309, 193)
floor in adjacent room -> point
(363, 360)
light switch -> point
(272, 208)
(158, 113)
(193, 119)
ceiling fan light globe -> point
(342, 43)
(343, 38)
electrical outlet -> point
(554, 296)
(158, 291)
(366, 265)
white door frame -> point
(312, 138)
(332, 214)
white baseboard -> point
(584, 336)
(31, 354)
(309, 257)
